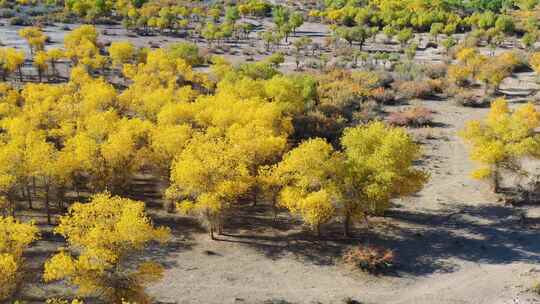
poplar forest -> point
(270, 152)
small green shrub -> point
(6, 13)
(18, 21)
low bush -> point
(436, 71)
(7, 13)
(18, 21)
(415, 117)
(383, 96)
(370, 258)
(398, 119)
(468, 98)
(459, 75)
(438, 86)
(409, 71)
(370, 110)
(418, 89)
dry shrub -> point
(459, 75)
(398, 119)
(416, 117)
(417, 89)
(247, 52)
(512, 60)
(343, 51)
(437, 85)
(370, 258)
(436, 71)
(371, 110)
(468, 98)
(383, 96)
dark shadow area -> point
(182, 229)
(423, 241)
(485, 234)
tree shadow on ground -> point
(182, 230)
(425, 242)
(489, 234)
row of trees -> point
(473, 66)
(219, 21)
(422, 15)
(454, 15)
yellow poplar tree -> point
(41, 63)
(308, 186)
(35, 38)
(10, 172)
(15, 237)
(378, 166)
(500, 140)
(121, 52)
(11, 61)
(207, 177)
(101, 235)
(54, 55)
(81, 46)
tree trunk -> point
(76, 188)
(47, 205)
(12, 205)
(34, 187)
(61, 196)
(366, 219)
(255, 196)
(29, 197)
(53, 67)
(220, 226)
(496, 182)
(347, 224)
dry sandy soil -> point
(455, 241)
